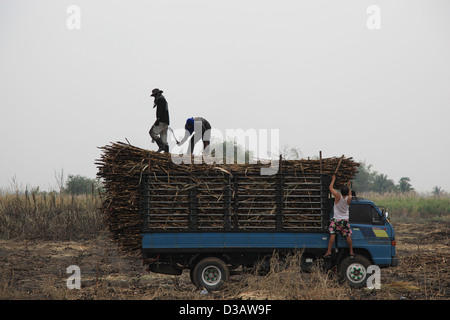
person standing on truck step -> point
(339, 222)
(158, 131)
(201, 129)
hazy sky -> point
(312, 69)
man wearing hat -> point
(158, 132)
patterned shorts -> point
(340, 226)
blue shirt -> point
(190, 125)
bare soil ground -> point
(36, 269)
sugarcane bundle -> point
(122, 167)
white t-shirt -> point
(341, 209)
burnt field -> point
(37, 269)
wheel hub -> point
(212, 275)
(356, 272)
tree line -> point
(77, 184)
(367, 180)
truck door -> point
(371, 232)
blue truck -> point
(213, 224)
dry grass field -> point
(36, 269)
(42, 235)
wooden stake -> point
(337, 168)
(149, 162)
(320, 163)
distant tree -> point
(437, 191)
(364, 178)
(60, 180)
(77, 184)
(382, 184)
(290, 153)
(238, 150)
(404, 185)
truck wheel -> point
(354, 271)
(191, 275)
(210, 273)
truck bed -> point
(234, 202)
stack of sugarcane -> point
(123, 166)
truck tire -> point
(354, 271)
(210, 273)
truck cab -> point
(373, 243)
(373, 232)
